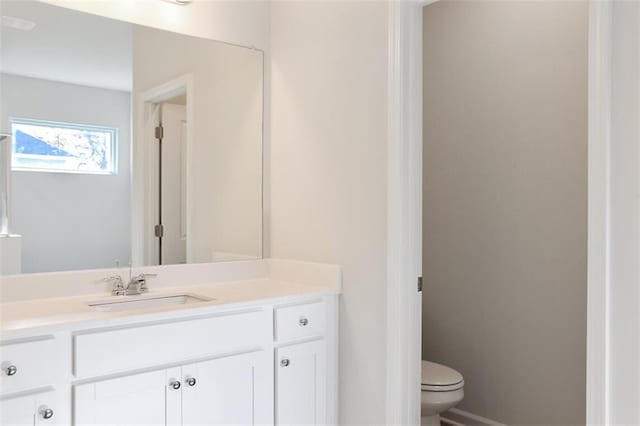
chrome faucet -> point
(138, 284)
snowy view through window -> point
(63, 147)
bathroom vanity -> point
(260, 349)
(120, 157)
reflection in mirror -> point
(129, 144)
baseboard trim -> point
(458, 417)
(446, 421)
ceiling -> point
(68, 46)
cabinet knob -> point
(191, 381)
(175, 384)
(46, 413)
(285, 362)
(303, 322)
(11, 370)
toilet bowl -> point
(442, 388)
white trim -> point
(473, 419)
(404, 213)
(600, 24)
(446, 421)
(142, 169)
(6, 148)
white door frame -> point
(599, 145)
(144, 202)
(404, 206)
(404, 213)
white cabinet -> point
(300, 321)
(27, 395)
(231, 390)
(234, 390)
(301, 384)
(35, 409)
(112, 350)
(18, 411)
(255, 365)
(22, 365)
(136, 399)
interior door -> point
(234, 390)
(173, 207)
(152, 182)
(301, 384)
(138, 399)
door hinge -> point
(419, 284)
(159, 132)
(159, 230)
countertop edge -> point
(303, 292)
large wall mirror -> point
(128, 144)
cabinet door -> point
(301, 384)
(18, 411)
(232, 390)
(35, 409)
(136, 399)
(50, 410)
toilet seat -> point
(439, 378)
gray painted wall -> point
(505, 192)
(70, 221)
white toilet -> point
(442, 388)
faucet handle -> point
(148, 275)
(117, 288)
(141, 282)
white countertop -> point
(38, 316)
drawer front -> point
(107, 351)
(23, 365)
(300, 321)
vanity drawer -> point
(300, 321)
(100, 352)
(26, 365)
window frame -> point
(113, 148)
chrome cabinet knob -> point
(191, 381)
(175, 384)
(46, 413)
(11, 370)
(303, 322)
(285, 362)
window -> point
(63, 147)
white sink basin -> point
(127, 303)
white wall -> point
(328, 172)
(70, 221)
(225, 160)
(239, 22)
(624, 292)
(505, 205)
